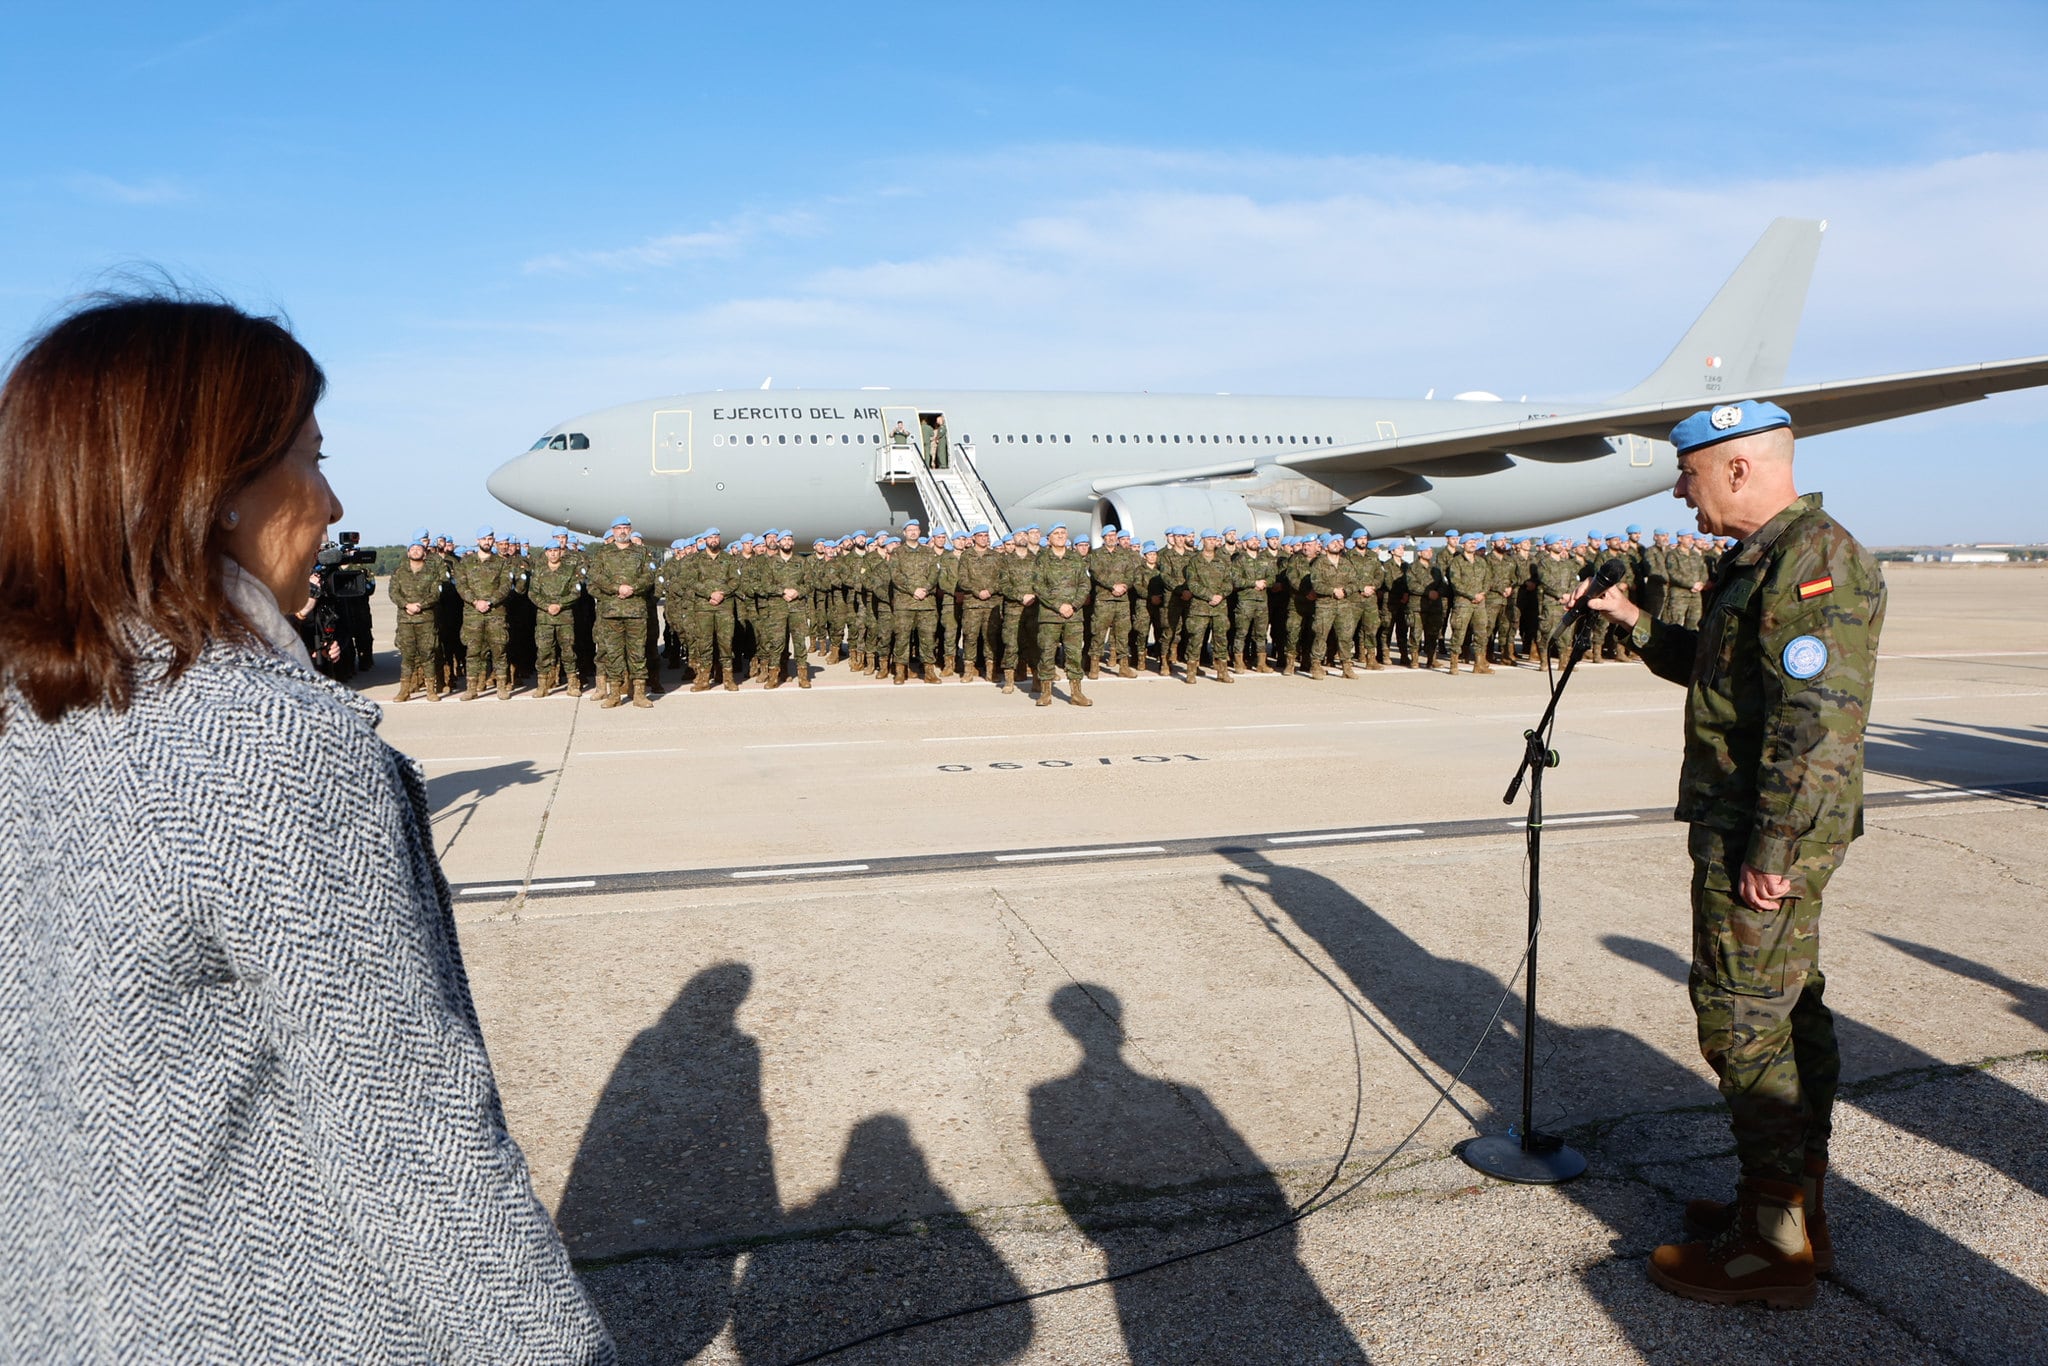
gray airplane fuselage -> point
(807, 460)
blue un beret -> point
(1149, 547)
(618, 521)
(1714, 425)
(482, 532)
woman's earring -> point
(233, 519)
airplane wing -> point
(1816, 408)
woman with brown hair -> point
(245, 1108)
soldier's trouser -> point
(1418, 643)
(1548, 620)
(882, 633)
(1055, 631)
(1010, 633)
(1757, 991)
(1176, 621)
(712, 627)
(838, 619)
(1280, 616)
(483, 639)
(1467, 622)
(782, 626)
(650, 631)
(419, 644)
(1248, 634)
(621, 647)
(1207, 625)
(977, 634)
(1112, 636)
(1348, 613)
(1155, 627)
(554, 643)
(1681, 608)
(917, 626)
(1322, 624)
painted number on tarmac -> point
(1007, 766)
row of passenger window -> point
(577, 442)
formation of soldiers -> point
(611, 616)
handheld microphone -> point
(1608, 575)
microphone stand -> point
(1522, 1154)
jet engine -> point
(1147, 511)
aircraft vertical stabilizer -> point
(1744, 339)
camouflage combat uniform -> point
(1208, 575)
(621, 621)
(554, 590)
(486, 579)
(1059, 580)
(915, 569)
(419, 644)
(1779, 679)
(781, 622)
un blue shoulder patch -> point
(1805, 657)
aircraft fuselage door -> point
(672, 453)
(900, 428)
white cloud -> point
(156, 190)
(1110, 269)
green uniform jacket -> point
(422, 587)
(1468, 578)
(555, 587)
(1060, 579)
(481, 578)
(976, 570)
(1207, 578)
(1015, 575)
(912, 568)
(1421, 577)
(769, 575)
(611, 566)
(1779, 676)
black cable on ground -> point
(1302, 1211)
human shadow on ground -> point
(676, 1163)
(1953, 1295)
(1115, 1142)
(902, 1253)
(1957, 754)
(675, 1157)
(2029, 1002)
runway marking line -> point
(1345, 835)
(811, 871)
(816, 744)
(1080, 853)
(1574, 820)
(510, 888)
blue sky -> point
(486, 219)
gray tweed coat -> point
(245, 1111)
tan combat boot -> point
(640, 693)
(505, 686)
(1044, 692)
(931, 675)
(1762, 1255)
(900, 674)
(803, 673)
(972, 674)
(1315, 669)
(1165, 665)
(1124, 669)
(470, 691)
(1713, 1217)
(611, 692)
(544, 683)
(1223, 672)
(1076, 696)
(1453, 665)
(1094, 668)
(1004, 679)
(1187, 674)
(1482, 667)
(604, 688)
(405, 681)
(702, 682)
(1349, 672)
(731, 684)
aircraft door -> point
(672, 453)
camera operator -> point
(339, 597)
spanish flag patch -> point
(1813, 588)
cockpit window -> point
(578, 441)
(560, 443)
(539, 445)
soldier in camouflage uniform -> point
(553, 588)
(1779, 680)
(914, 581)
(881, 605)
(1210, 581)
(977, 578)
(713, 581)
(484, 580)
(1468, 579)
(1059, 583)
(781, 584)
(1173, 569)
(621, 578)
(415, 588)
(1557, 576)
(1014, 576)
(1688, 580)
(1114, 569)
(1425, 612)
(1328, 588)
(1256, 567)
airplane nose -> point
(520, 484)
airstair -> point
(951, 488)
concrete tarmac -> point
(818, 1012)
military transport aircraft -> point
(822, 462)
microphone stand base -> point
(1541, 1161)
